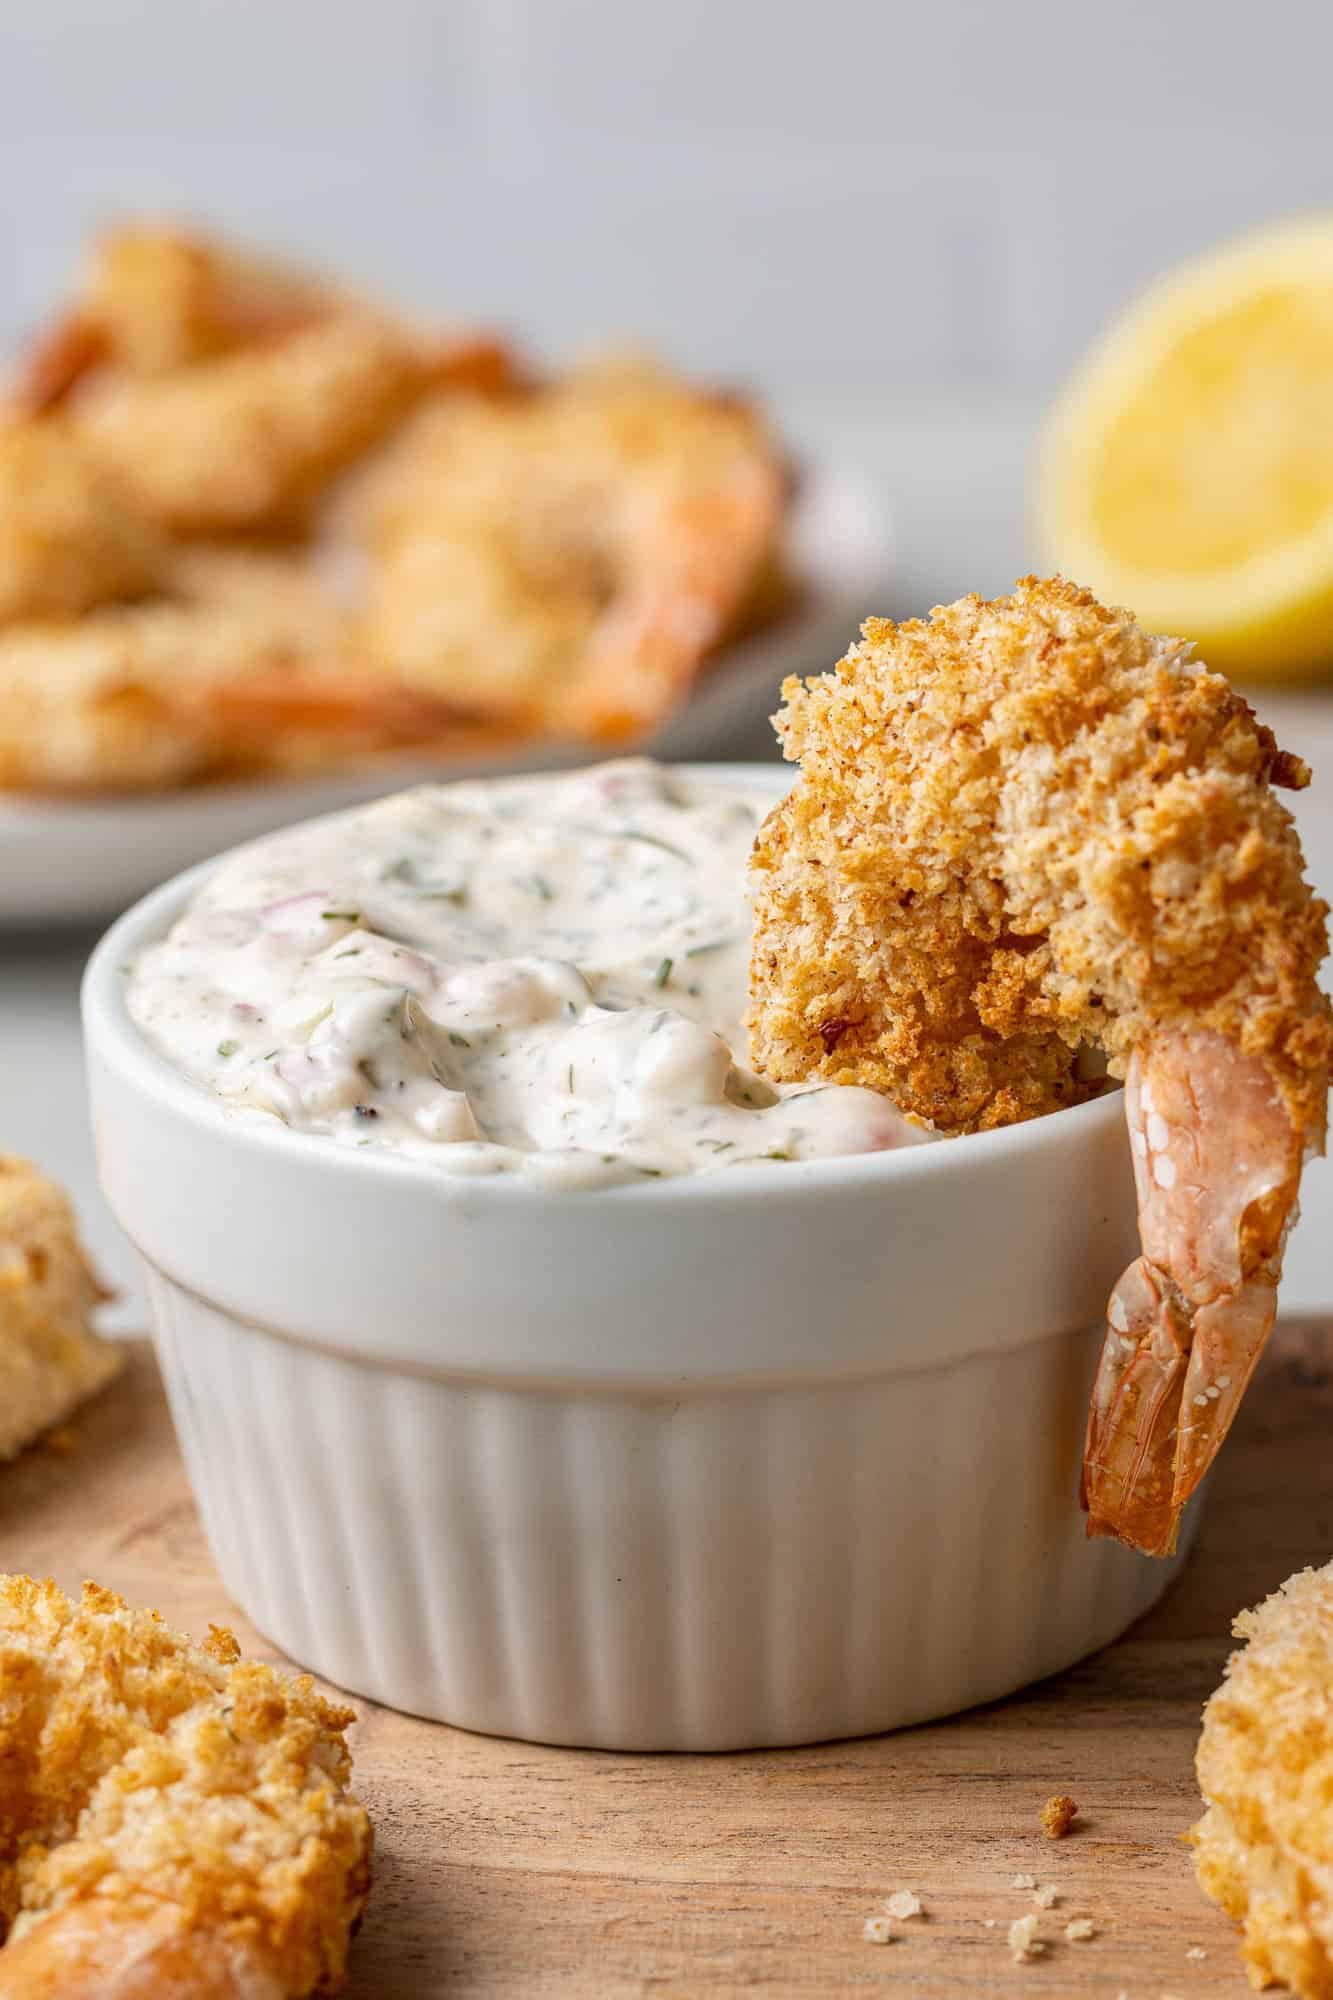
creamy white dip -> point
(543, 975)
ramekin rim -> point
(107, 1021)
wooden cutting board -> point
(504, 1869)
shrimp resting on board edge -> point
(175, 1822)
(1027, 828)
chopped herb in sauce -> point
(653, 840)
(433, 890)
(534, 930)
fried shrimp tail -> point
(687, 569)
(92, 1952)
(1217, 1164)
(1025, 830)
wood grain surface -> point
(506, 1869)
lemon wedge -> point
(1186, 472)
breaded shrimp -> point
(163, 297)
(151, 298)
(1264, 1847)
(70, 537)
(225, 388)
(248, 668)
(1024, 829)
(568, 558)
(174, 1820)
(51, 1360)
(245, 441)
(155, 298)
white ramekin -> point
(759, 1457)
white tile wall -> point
(855, 192)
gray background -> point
(832, 192)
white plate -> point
(64, 862)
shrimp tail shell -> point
(1217, 1159)
(99, 1949)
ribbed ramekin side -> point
(702, 1571)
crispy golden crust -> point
(246, 440)
(1021, 827)
(506, 536)
(50, 1358)
(153, 1784)
(163, 297)
(558, 559)
(70, 537)
(249, 668)
(1058, 1815)
(223, 388)
(204, 394)
(125, 698)
(1264, 1847)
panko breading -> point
(125, 697)
(173, 1819)
(499, 560)
(205, 393)
(569, 557)
(250, 668)
(1264, 1847)
(70, 537)
(153, 297)
(225, 388)
(247, 440)
(1024, 829)
(163, 297)
(51, 1360)
(1058, 1815)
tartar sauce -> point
(542, 975)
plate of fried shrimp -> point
(267, 548)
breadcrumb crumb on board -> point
(904, 1903)
(1058, 1815)
(1024, 1944)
